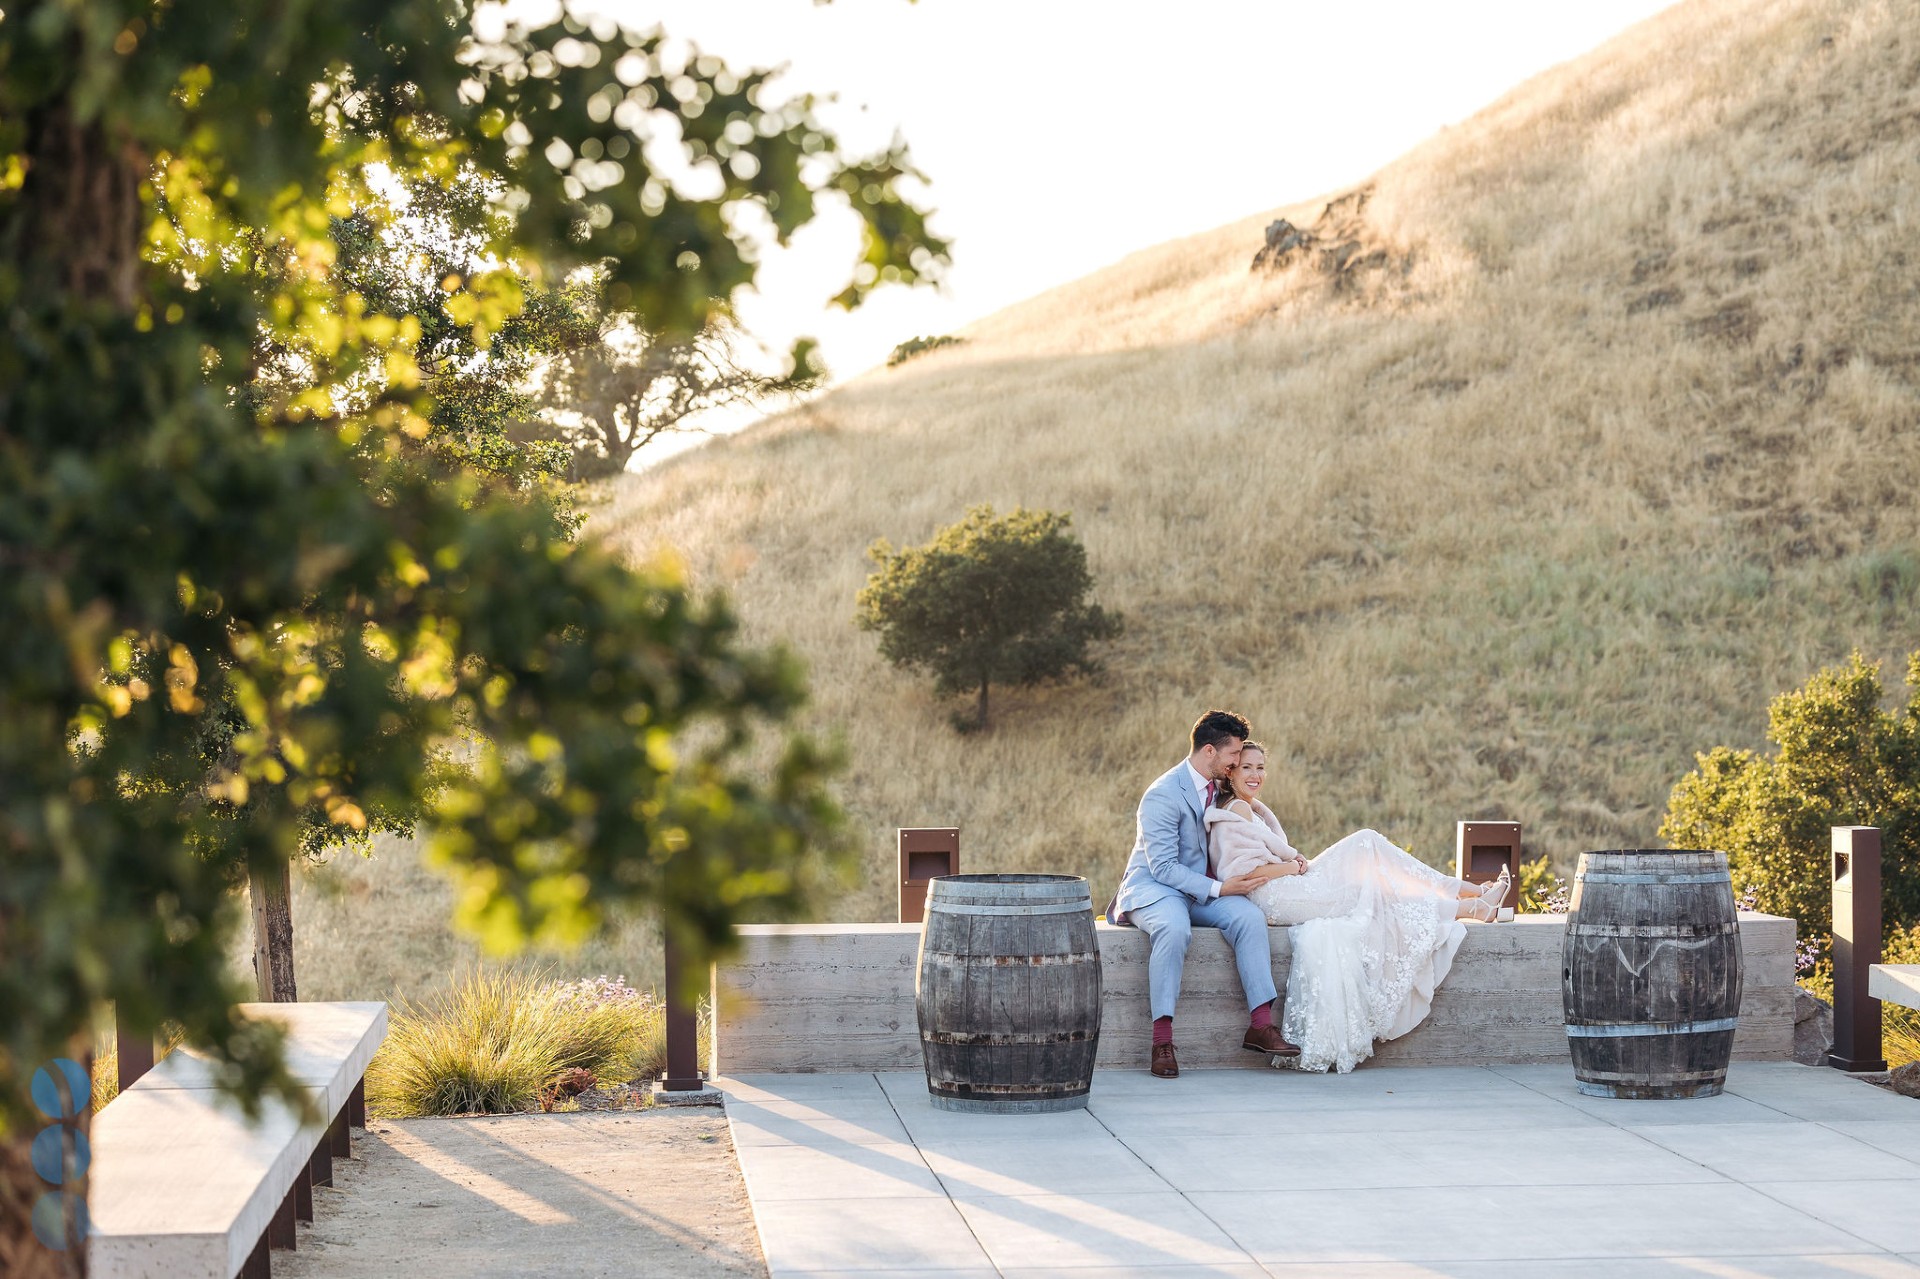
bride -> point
(1374, 929)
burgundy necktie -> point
(1210, 792)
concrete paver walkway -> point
(1429, 1172)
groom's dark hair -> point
(1217, 726)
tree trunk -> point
(980, 719)
(79, 234)
(82, 191)
(272, 897)
(23, 1254)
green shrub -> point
(497, 1042)
(988, 600)
(1840, 760)
(1541, 891)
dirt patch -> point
(652, 1192)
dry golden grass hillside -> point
(1621, 441)
(1618, 442)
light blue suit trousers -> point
(1169, 924)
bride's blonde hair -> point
(1225, 795)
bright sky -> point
(1062, 136)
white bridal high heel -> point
(1486, 907)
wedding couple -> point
(1374, 929)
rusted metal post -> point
(283, 1230)
(683, 1033)
(1856, 948)
(134, 1051)
(1482, 848)
(321, 1165)
(339, 1137)
(925, 852)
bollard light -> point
(925, 851)
(683, 1033)
(1482, 848)
(1856, 948)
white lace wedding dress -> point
(1373, 932)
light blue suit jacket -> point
(1169, 855)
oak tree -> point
(227, 590)
(1840, 758)
(989, 600)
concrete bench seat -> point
(184, 1186)
(1895, 984)
(841, 997)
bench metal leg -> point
(281, 1231)
(339, 1136)
(321, 1165)
(357, 1105)
(303, 1194)
(258, 1266)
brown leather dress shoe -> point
(1163, 1063)
(1266, 1039)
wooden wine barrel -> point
(1651, 973)
(1008, 996)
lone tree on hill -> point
(617, 394)
(989, 599)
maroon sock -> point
(1262, 1016)
(1163, 1030)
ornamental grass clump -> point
(497, 1042)
(608, 1027)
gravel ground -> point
(653, 1193)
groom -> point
(1166, 891)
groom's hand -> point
(1241, 885)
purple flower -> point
(604, 990)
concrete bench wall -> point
(840, 997)
(185, 1187)
(1895, 984)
